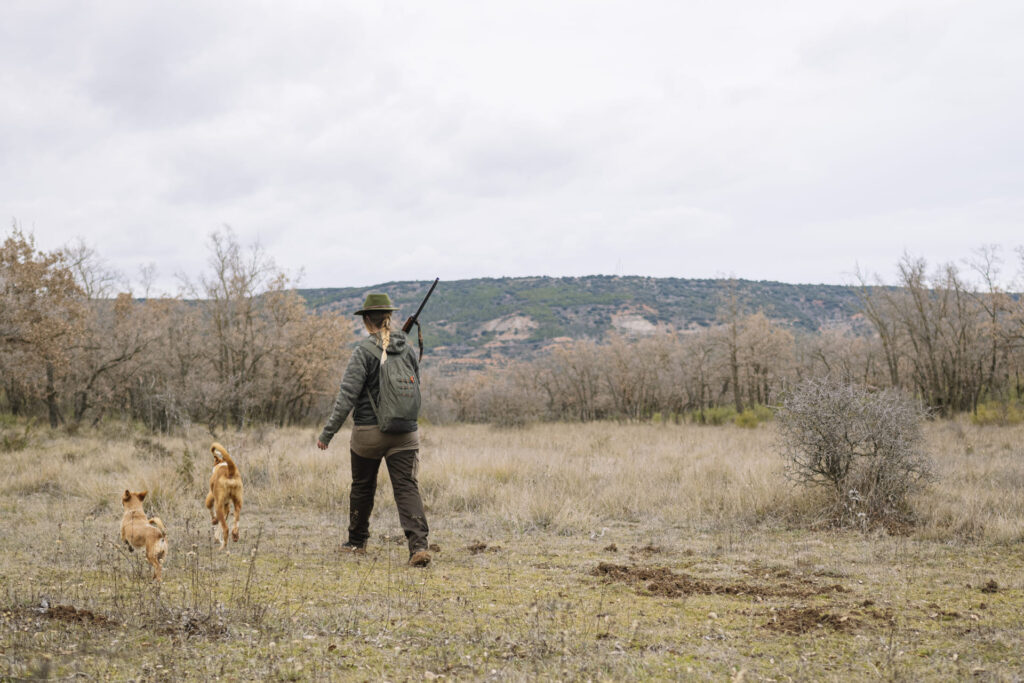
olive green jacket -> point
(361, 381)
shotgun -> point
(414, 319)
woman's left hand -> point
(321, 445)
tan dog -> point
(137, 530)
(225, 489)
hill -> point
(492, 318)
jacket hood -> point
(397, 344)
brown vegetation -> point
(242, 349)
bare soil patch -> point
(663, 581)
(65, 613)
(800, 620)
(82, 616)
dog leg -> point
(152, 559)
(238, 513)
(209, 506)
(222, 518)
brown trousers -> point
(402, 469)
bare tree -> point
(935, 334)
(578, 369)
(765, 355)
(96, 278)
(842, 354)
(232, 299)
(997, 306)
(630, 370)
(730, 312)
(115, 335)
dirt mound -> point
(477, 547)
(649, 549)
(663, 581)
(800, 620)
(82, 616)
(990, 587)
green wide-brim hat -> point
(376, 302)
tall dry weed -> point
(561, 478)
(979, 492)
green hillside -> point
(514, 316)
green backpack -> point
(399, 405)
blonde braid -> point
(380, 323)
(385, 338)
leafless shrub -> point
(866, 448)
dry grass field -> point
(598, 552)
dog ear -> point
(142, 495)
(127, 496)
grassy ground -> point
(602, 552)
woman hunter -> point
(398, 446)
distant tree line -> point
(236, 348)
(241, 346)
(738, 364)
(952, 337)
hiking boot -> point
(420, 558)
(350, 547)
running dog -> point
(137, 530)
(225, 489)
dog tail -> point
(217, 448)
(158, 523)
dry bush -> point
(866, 448)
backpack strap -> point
(419, 335)
(374, 350)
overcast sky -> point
(375, 141)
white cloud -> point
(366, 142)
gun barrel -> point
(416, 316)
